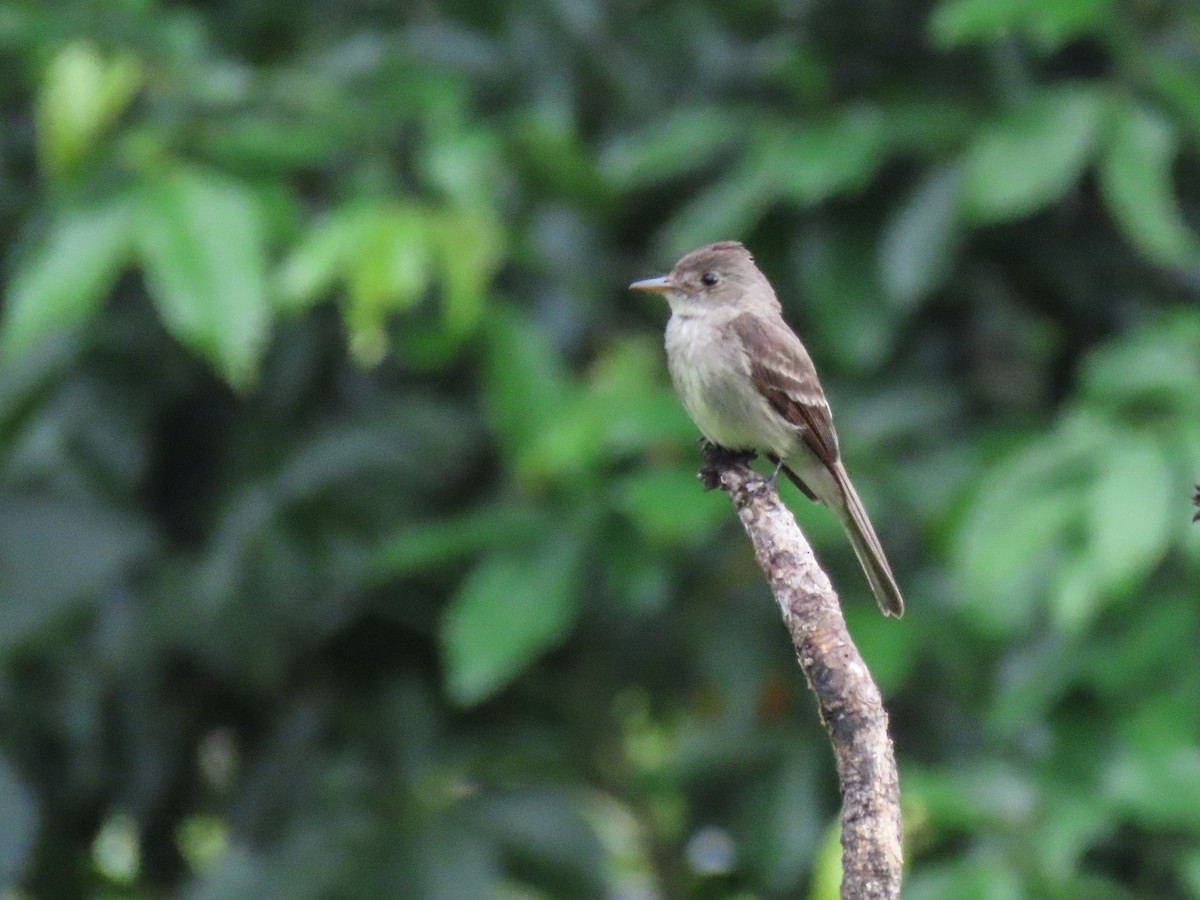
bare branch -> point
(850, 704)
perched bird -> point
(748, 383)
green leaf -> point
(525, 383)
(636, 408)
(1077, 593)
(463, 164)
(467, 248)
(958, 22)
(1033, 157)
(1131, 511)
(804, 165)
(821, 159)
(1071, 825)
(1014, 531)
(1155, 779)
(510, 609)
(203, 250)
(18, 823)
(66, 278)
(319, 261)
(388, 272)
(82, 94)
(1177, 80)
(684, 141)
(1155, 366)
(979, 879)
(669, 505)
(1135, 178)
(1053, 24)
(425, 545)
(569, 445)
(921, 238)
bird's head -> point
(716, 275)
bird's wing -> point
(783, 372)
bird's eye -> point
(708, 279)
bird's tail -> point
(867, 547)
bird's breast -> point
(711, 374)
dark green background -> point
(350, 544)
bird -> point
(748, 383)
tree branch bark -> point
(850, 704)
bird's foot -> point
(775, 474)
(716, 458)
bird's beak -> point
(660, 285)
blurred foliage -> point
(350, 544)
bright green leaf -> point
(82, 94)
(1135, 177)
(510, 609)
(319, 260)
(467, 248)
(389, 271)
(625, 408)
(203, 251)
(1033, 157)
(68, 275)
